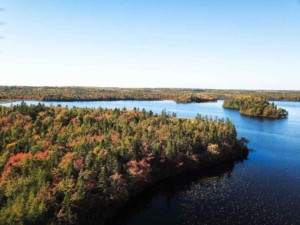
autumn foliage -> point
(255, 107)
(56, 162)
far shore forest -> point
(112, 94)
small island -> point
(61, 166)
(255, 107)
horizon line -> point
(116, 87)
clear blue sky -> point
(237, 44)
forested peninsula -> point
(61, 166)
(255, 107)
(178, 95)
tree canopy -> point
(110, 94)
(255, 107)
(58, 163)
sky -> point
(220, 44)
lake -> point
(264, 189)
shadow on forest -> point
(167, 189)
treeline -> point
(279, 95)
(255, 107)
(61, 165)
(112, 94)
(101, 94)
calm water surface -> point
(264, 189)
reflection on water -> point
(164, 196)
(265, 189)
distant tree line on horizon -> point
(101, 94)
(112, 94)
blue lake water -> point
(264, 189)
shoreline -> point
(6, 101)
(257, 117)
(207, 160)
(108, 100)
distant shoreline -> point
(179, 95)
(5, 101)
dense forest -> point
(101, 94)
(111, 94)
(268, 95)
(61, 165)
(255, 107)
